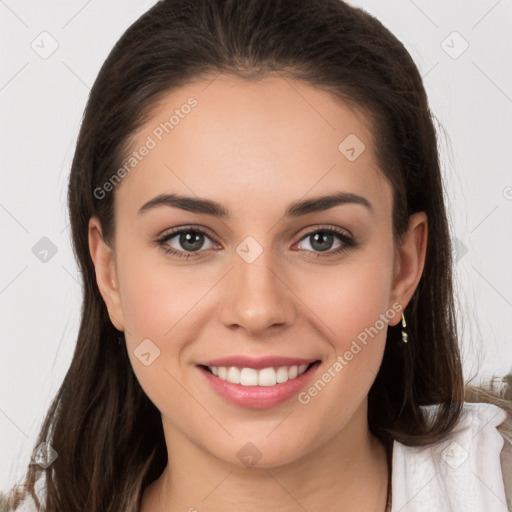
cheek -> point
(352, 302)
(156, 296)
(158, 307)
(351, 297)
(355, 314)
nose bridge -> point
(257, 297)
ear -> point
(409, 262)
(106, 275)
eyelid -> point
(313, 228)
(190, 227)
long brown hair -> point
(107, 433)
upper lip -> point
(244, 361)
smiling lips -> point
(257, 382)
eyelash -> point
(348, 243)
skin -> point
(256, 147)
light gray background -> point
(41, 103)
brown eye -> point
(321, 241)
(188, 241)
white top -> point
(463, 473)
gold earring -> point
(404, 334)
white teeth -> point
(233, 375)
(267, 377)
(264, 377)
(282, 374)
(248, 377)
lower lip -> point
(259, 397)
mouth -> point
(259, 388)
(270, 376)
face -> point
(283, 286)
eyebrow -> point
(297, 209)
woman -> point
(268, 321)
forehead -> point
(232, 139)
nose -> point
(256, 296)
